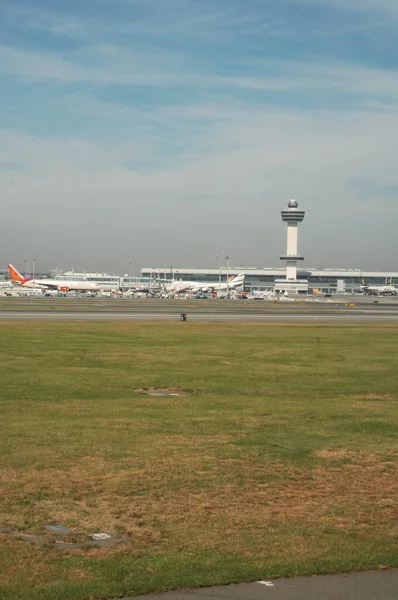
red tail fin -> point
(16, 276)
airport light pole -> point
(219, 271)
(227, 257)
(34, 268)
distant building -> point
(322, 280)
(105, 278)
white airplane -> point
(55, 284)
(202, 286)
(379, 290)
(261, 295)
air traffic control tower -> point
(292, 216)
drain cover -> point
(162, 392)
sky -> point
(166, 132)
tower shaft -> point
(292, 239)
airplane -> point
(55, 284)
(379, 290)
(261, 295)
(202, 286)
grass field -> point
(280, 459)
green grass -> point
(279, 460)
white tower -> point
(292, 216)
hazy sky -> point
(163, 132)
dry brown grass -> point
(185, 503)
(37, 566)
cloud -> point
(35, 18)
(388, 7)
(211, 22)
(258, 160)
(120, 66)
(250, 151)
(197, 120)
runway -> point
(208, 317)
(67, 309)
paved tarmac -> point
(286, 316)
(373, 585)
(84, 309)
(371, 317)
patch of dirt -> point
(366, 397)
(157, 391)
(375, 401)
(335, 454)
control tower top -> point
(292, 214)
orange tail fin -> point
(16, 276)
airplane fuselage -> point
(56, 284)
(376, 290)
(205, 286)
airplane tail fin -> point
(16, 276)
(238, 280)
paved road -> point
(374, 585)
(297, 316)
(85, 309)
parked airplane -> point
(203, 286)
(379, 290)
(55, 284)
(261, 295)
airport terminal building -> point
(330, 281)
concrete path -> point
(373, 585)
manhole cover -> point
(61, 529)
(72, 541)
(162, 392)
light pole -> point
(219, 271)
(131, 269)
(34, 268)
(227, 259)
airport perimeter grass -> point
(279, 460)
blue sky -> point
(168, 131)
